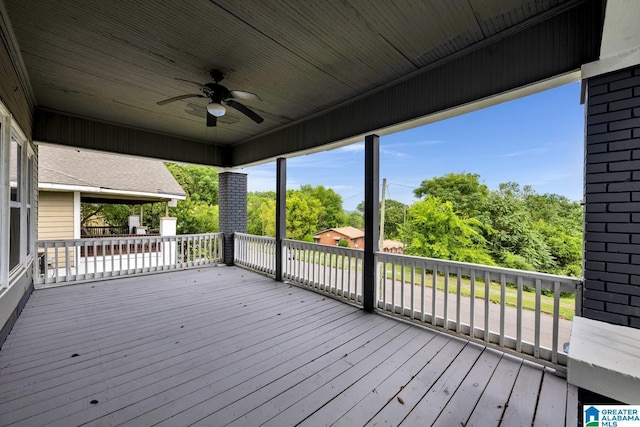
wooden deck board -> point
(220, 346)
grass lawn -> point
(567, 303)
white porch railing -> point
(483, 302)
(515, 309)
(64, 261)
(255, 252)
(332, 269)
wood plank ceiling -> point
(112, 61)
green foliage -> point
(394, 215)
(331, 214)
(199, 212)
(303, 214)
(522, 229)
(355, 219)
(194, 217)
(199, 182)
(465, 192)
(261, 213)
(434, 230)
(343, 243)
(112, 214)
(309, 210)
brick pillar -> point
(612, 198)
(232, 201)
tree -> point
(515, 242)
(199, 212)
(195, 217)
(355, 219)
(303, 212)
(331, 214)
(465, 192)
(261, 213)
(112, 214)
(199, 182)
(559, 221)
(434, 230)
(394, 217)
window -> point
(29, 203)
(15, 202)
(18, 200)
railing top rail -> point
(466, 267)
(125, 238)
(341, 250)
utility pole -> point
(384, 187)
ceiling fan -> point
(219, 96)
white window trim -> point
(9, 129)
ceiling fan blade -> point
(189, 81)
(244, 95)
(245, 110)
(179, 97)
(211, 120)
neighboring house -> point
(393, 247)
(68, 177)
(332, 236)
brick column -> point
(612, 198)
(232, 201)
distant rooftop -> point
(350, 232)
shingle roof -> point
(392, 244)
(66, 166)
(350, 232)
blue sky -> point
(536, 140)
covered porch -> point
(98, 78)
(227, 346)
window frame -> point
(26, 201)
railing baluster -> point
(445, 313)
(458, 299)
(413, 286)
(519, 316)
(393, 286)
(556, 322)
(472, 308)
(503, 288)
(487, 304)
(423, 285)
(402, 286)
(434, 295)
(536, 348)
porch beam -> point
(371, 212)
(281, 213)
(58, 128)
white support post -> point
(168, 227)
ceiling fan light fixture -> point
(216, 109)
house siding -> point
(612, 198)
(55, 215)
(55, 222)
(332, 237)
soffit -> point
(113, 61)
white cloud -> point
(520, 153)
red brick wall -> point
(332, 238)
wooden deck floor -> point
(224, 346)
